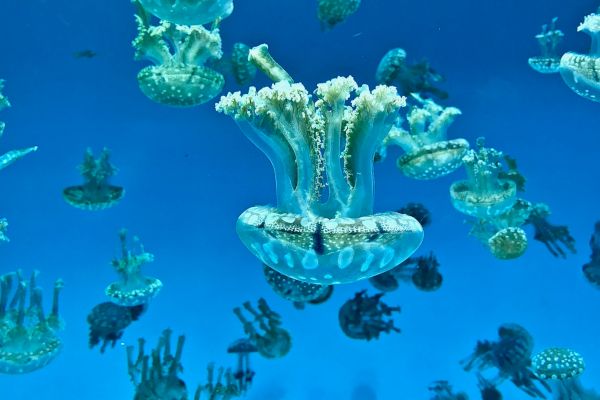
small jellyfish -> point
(224, 387)
(332, 12)
(294, 290)
(511, 356)
(549, 39)
(28, 337)
(264, 330)
(178, 77)
(155, 376)
(591, 270)
(243, 374)
(417, 78)
(108, 322)
(557, 238)
(319, 144)
(189, 12)
(423, 272)
(134, 288)
(418, 211)
(364, 317)
(442, 390)
(581, 72)
(96, 193)
(484, 193)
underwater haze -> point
(189, 172)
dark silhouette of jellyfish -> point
(416, 78)
(488, 390)
(423, 272)
(557, 238)
(581, 72)
(296, 291)
(418, 211)
(332, 12)
(309, 236)
(264, 330)
(134, 288)
(243, 374)
(511, 356)
(364, 317)
(591, 270)
(442, 390)
(224, 387)
(155, 376)
(28, 337)
(549, 39)
(96, 193)
(178, 77)
(189, 12)
(108, 322)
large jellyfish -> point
(511, 356)
(133, 288)
(28, 337)
(178, 77)
(322, 229)
(429, 154)
(96, 193)
(156, 375)
(296, 291)
(416, 78)
(549, 39)
(591, 270)
(264, 330)
(366, 317)
(189, 12)
(581, 72)
(332, 12)
(557, 238)
(442, 390)
(108, 322)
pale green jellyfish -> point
(581, 72)
(189, 12)
(178, 77)
(322, 229)
(429, 154)
(549, 39)
(332, 12)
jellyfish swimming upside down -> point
(322, 229)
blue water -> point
(189, 173)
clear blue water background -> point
(189, 173)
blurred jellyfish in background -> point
(365, 317)
(561, 368)
(332, 12)
(591, 270)
(243, 70)
(189, 12)
(442, 390)
(298, 292)
(156, 375)
(581, 72)
(178, 77)
(322, 229)
(108, 322)
(243, 374)
(423, 272)
(511, 357)
(28, 337)
(224, 387)
(419, 78)
(549, 39)
(488, 390)
(96, 193)
(428, 152)
(418, 211)
(557, 238)
(264, 330)
(133, 288)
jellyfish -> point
(418, 211)
(264, 330)
(364, 317)
(487, 191)
(28, 337)
(581, 72)
(96, 193)
(224, 387)
(322, 229)
(442, 390)
(243, 70)
(189, 12)
(332, 12)
(429, 155)
(108, 322)
(155, 376)
(591, 270)
(178, 76)
(134, 288)
(417, 78)
(561, 367)
(296, 291)
(556, 238)
(511, 356)
(549, 39)
(243, 374)
(423, 272)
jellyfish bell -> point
(385, 282)
(189, 12)
(483, 205)
(558, 364)
(434, 160)
(508, 243)
(544, 65)
(93, 197)
(135, 293)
